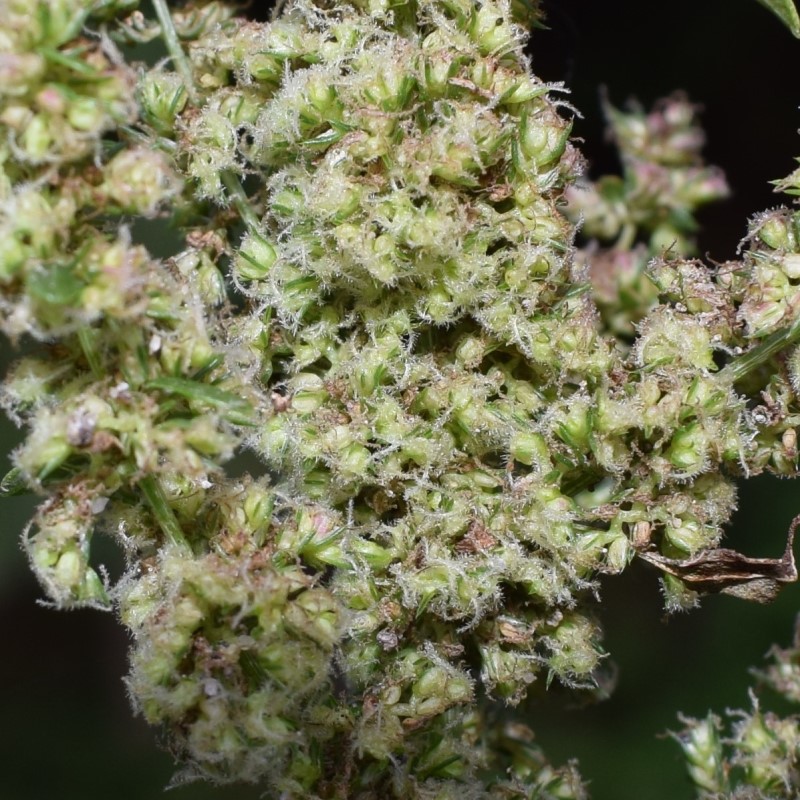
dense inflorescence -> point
(373, 288)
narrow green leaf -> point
(156, 498)
(440, 769)
(70, 60)
(89, 339)
(213, 362)
(330, 136)
(786, 11)
(234, 408)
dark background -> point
(66, 729)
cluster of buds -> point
(648, 210)
(758, 755)
(374, 288)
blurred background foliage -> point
(67, 730)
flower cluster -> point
(648, 210)
(759, 756)
(372, 286)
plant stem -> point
(241, 201)
(747, 362)
(173, 44)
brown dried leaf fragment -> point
(729, 572)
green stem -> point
(173, 44)
(157, 500)
(161, 142)
(747, 362)
(241, 201)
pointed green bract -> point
(786, 11)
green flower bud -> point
(576, 425)
(12, 257)
(162, 97)
(543, 138)
(315, 614)
(688, 535)
(307, 393)
(140, 180)
(763, 318)
(775, 232)
(667, 238)
(85, 114)
(703, 750)
(507, 672)
(37, 138)
(258, 504)
(531, 449)
(573, 651)
(491, 29)
(440, 66)
(59, 553)
(666, 338)
(48, 449)
(254, 258)
(705, 393)
(618, 554)
(688, 450)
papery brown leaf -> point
(729, 572)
